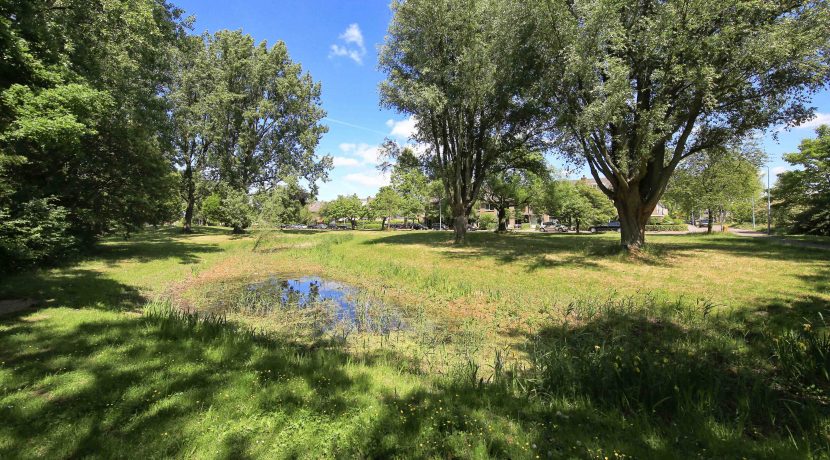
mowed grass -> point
(552, 346)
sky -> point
(337, 42)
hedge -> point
(667, 228)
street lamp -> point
(769, 206)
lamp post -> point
(769, 206)
(440, 217)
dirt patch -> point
(14, 305)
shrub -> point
(38, 234)
(487, 222)
(666, 228)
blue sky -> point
(337, 42)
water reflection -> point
(329, 306)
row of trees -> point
(630, 88)
(110, 112)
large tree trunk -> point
(633, 219)
(460, 228)
(191, 199)
(709, 227)
(383, 224)
(502, 219)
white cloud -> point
(369, 154)
(369, 179)
(353, 47)
(343, 161)
(353, 35)
(818, 120)
(779, 169)
(403, 129)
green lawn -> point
(516, 346)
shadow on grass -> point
(160, 244)
(84, 288)
(73, 288)
(84, 383)
(588, 250)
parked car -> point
(703, 223)
(439, 227)
(417, 226)
(321, 226)
(612, 226)
(553, 226)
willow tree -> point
(637, 86)
(447, 63)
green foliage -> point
(579, 203)
(466, 85)
(719, 180)
(38, 235)
(636, 87)
(346, 207)
(487, 222)
(802, 196)
(667, 228)
(386, 204)
(516, 187)
(236, 211)
(82, 119)
(212, 208)
(270, 114)
(283, 205)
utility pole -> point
(769, 206)
(753, 211)
(440, 218)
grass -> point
(518, 346)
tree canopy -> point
(716, 180)
(83, 129)
(802, 196)
(446, 65)
(635, 87)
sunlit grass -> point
(517, 346)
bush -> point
(487, 222)
(368, 225)
(667, 228)
(38, 234)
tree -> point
(446, 65)
(578, 203)
(515, 187)
(386, 204)
(344, 207)
(236, 210)
(282, 205)
(191, 97)
(212, 208)
(411, 186)
(635, 87)
(267, 115)
(802, 196)
(715, 180)
(82, 110)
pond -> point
(325, 305)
